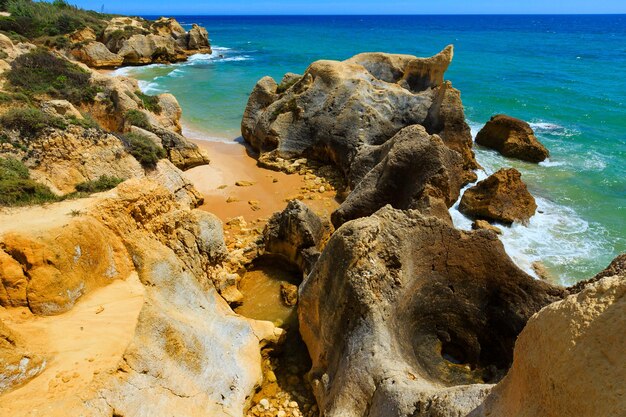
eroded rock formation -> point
(502, 197)
(402, 311)
(186, 352)
(412, 170)
(134, 41)
(569, 359)
(296, 234)
(513, 138)
(336, 107)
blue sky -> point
(354, 6)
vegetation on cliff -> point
(41, 72)
(17, 188)
(37, 19)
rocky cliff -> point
(183, 351)
(136, 41)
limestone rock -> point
(513, 138)
(61, 108)
(569, 359)
(483, 224)
(289, 294)
(336, 108)
(403, 311)
(85, 34)
(96, 55)
(198, 39)
(17, 365)
(63, 158)
(167, 26)
(502, 197)
(146, 49)
(188, 354)
(412, 170)
(61, 265)
(296, 233)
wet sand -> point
(267, 193)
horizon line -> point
(383, 14)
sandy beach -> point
(260, 192)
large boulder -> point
(96, 55)
(402, 312)
(412, 170)
(569, 360)
(198, 39)
(336, 108)
(296, 234)
(146, 49)
(513, 138)
(502, 197)
(167, 26)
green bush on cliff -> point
(40, 72)
(104, 183)
(143, 149)
(16, 187)
(137, 118)
(35, 19)
(30, 122)
(150, 103)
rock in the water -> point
(296, 234)
(96, 55)
(569, 359)
(412, 170)
(335, 108)
(289, 294)
(502, 197)
(483, 224)
(513, 138)
(402, 311)
(198, 39)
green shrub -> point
(35, 19)
(86, 122)
(30, 122)
(40, 72)
(13, 169)
(137, 118)
(16, 187)
(5, 98)
(150, 103)
(103, 183)
(143, 149)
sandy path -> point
(87, 340)
(271, 190)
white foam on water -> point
(150, 87)
(555, 235)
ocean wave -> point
(555, 236)
(150, 87)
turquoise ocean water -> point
(566, 75)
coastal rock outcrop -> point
(513, 138)
(336, 108)
(135, 41)
(412, 170)
(569, 359)
(183, 350)
(296, 234)
(96, 55)
(502, 197)
(402, 312)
